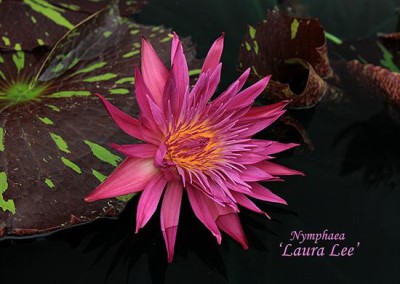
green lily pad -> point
(54, 133)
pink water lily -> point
(195, 146)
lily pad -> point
(378, 79)
(383, 51)
(294, 51)
(27, 24)
(53, 133)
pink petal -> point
(247, 96)
(170, 210)
(228, 95)
(230, 224)
(248, 158)
(154, 72)
(259, 112)
(261, 150)
(141, 92)
(214, 55)
(127, 123)
(213, 82)
(253, 173)
(181, 76)
(175, 43)
(256, 125)
(203, 208)
(149, 200)
(171, 103)
(151, 132)
(132, 175)
(143, 151)
(158, 115)
(223, 99)
(277, 147)
(260, 192)
(269, 146)
(198, 92)
(247, 203)
(277, 170)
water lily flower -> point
(195, 146)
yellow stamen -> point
(194, 146)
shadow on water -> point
(373, 146)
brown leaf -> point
(378, 79)
(294, 51)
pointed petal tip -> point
(137, 229)
(299, 173)
(219, 239)
(93, 196)
(266, 79)
(88, 199)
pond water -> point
(351, 187)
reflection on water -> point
(373, 147)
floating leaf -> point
(294, 51)
(380, 139)
(53, 133)
(44, 22)
(127, 7)
(378, 79)
(383, 50)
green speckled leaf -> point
(54, 134)
(31, 23)
(294, 51)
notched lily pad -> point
(54, 134)
(30, 23)
(294, 51)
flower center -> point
(19, 92)
(194, 147)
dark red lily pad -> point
(383, 50)
(54, 133)
(31, 23)
(377, 79)
(294, 51)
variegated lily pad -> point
(54, 134)
(294, 51)
(29, 23)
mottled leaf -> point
(383, 50)
(377, 79)
(127, 7)
(54, 134)
(27, 24)
(294, 51)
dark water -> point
(352, 184)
